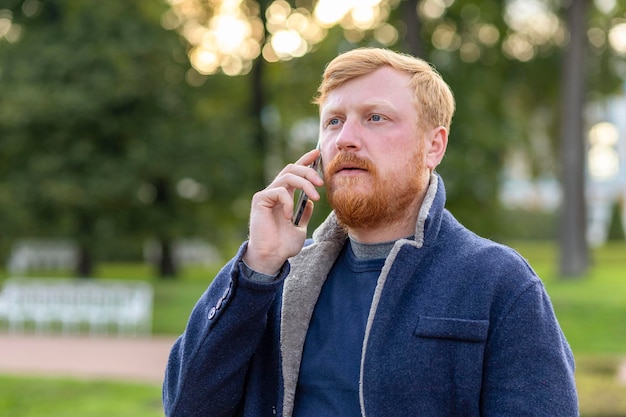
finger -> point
(299, 168)
(305, 179)
(309, 172)
(308, 158)
(271, 198)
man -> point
(394, 308)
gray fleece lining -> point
(301, 290)
(302, 287)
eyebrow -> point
(367, 105)
(378, 103)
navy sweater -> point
(329, 375)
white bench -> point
(72, 305)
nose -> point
(349, 138)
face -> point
(374, 154)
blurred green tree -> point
(99, 128)
(506, 64)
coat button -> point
(212, 313)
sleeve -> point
(529, 368)
(207, 366)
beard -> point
(383, 202)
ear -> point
(436, 143)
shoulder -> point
(470, 266)
(481, 254)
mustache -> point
(347, 160)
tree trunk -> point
(85, 261)
(574, 259)
(84, 267)
(167, 265)
(413, 38)
(257, 103)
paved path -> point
(124, 359)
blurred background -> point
(133, 135)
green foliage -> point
(497, 99)
(494, 103)
(95, 111)
(98, 109)
(616, 227)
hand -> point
(273, 236)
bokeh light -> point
(617, 37)
(603, 159)
(488, 34)
(605, 6)
(446, 37)
(9, 31)
(227, 35)
(597, 37)
(432, 9)
(532, 26)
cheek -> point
(408, 164)
(328, 152)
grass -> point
(600, 393)
(591, 310)
(55, 397)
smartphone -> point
(302, 197)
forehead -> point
(384, 86)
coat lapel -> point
(302, 287)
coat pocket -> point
(452, 329)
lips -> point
(350, 168)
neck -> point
(379, 235)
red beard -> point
(385, 200)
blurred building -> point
(605, 172)
(606, 167)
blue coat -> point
(459, 326)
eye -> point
(333, 122)
(376, 118)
